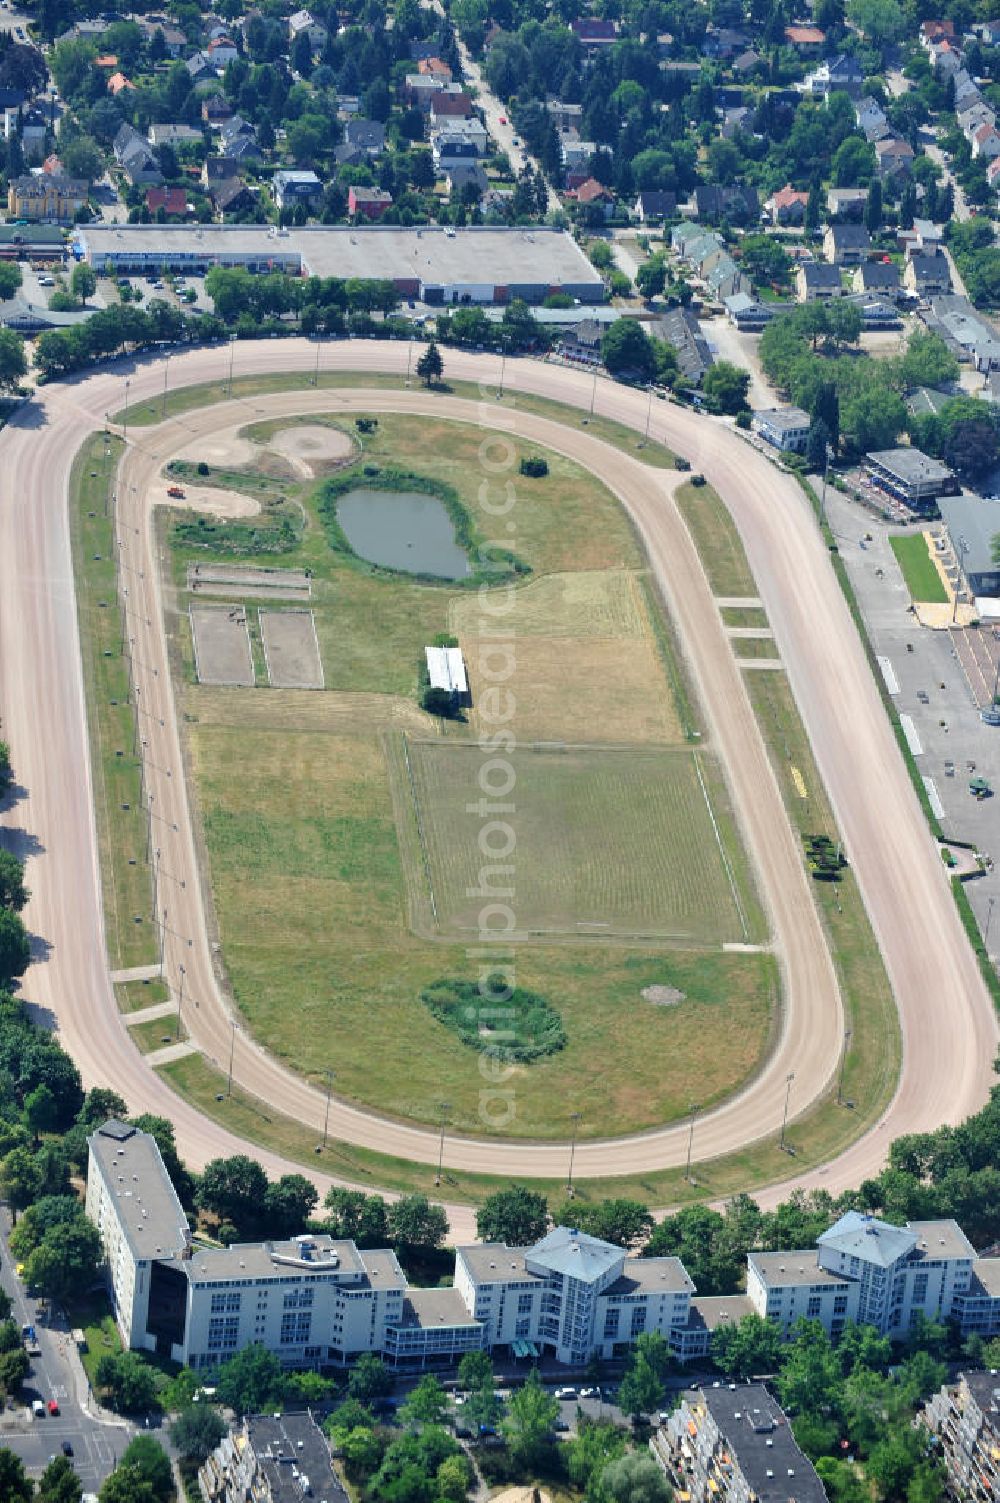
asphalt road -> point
(56, 1374)
(947, 1019)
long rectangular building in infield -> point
(440, 265)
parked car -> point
(67, 1448)
(565, 1393)
(590, 1393)
(53, 1407)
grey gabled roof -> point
(866, 1237)
(579, 1256)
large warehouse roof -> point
(474, 255)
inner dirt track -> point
(948, 1024)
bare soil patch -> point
(312, 448)
(291, 649)
(663, 996)
(213, 499)
(222, 651)
(224, 450)
(241, 581)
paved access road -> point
(947, 1019)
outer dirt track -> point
(948, 1023)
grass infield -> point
(922, 579)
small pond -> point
(403, 530)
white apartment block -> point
(868, 1271)
(572, 1295)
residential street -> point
(58, 1374)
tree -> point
(882, 21)
(724, 387)
(15, 947)
(633, 1479)
(626, 350)
(59, 1482)
(127, 1381)
(626, 1223)
(426, 1403)
(810, 1376)
(251, 1381)
(765, 258)
(288, 1204)
(532, 1412)
(152, 1463)
(197, 1431)
(699, 1237)
(82, 158)
(843, 321)
(40, 1111)
(83, 281)
(475, 1370)
(430, 366)
(651, 278)
(126, 1484)
(588, 1453)
(10, 278)
(752, 1345)
(369, 1379)
(452, 1480)
(13, 893)
(15, 1485)
(100, 1104)
(642, 1388)
(517, 1216)
(873, 208)
(66, 1260)
(361, 1218)
(415, 1223)
(234, 1189)
(20, 1179)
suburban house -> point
(464, 178)
(173, 135)
(893, 157)
(964, 1419)
(927, 276)
(449, 103)
(135, 157)
(846, 244)
(200, 67)
(877, 276)
(591, 32)
(837, 74)
(564, 116)
(787, 206)
(785, 428)
(292, 188)
(222, 51)
(808, 41)
(655, 204)
(739, 201)
(817, 279)
(170, 200)
(231, 195)
(986, 142)
(305, 21)
(46, 198)
(846, 203)
(216, 109)
(217, 170)
(729, 1444)
(871, 119)
(369, 203)
(910, 476)
(365, 135)
(680, 327)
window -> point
(222, 1302)
(813, 1307)
(524, 1303)
(638, 1319)
(611, 1324)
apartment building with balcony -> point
(964, 1417)
(729, 1444)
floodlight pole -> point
(784, 1121)
(326, 1116)
(693, 1109)
(232, 1052)
(843, 1067)
(572, 1150)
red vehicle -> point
(175, 490)
(53, 1407)
(503, 119)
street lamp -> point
(784, 1121)
(163, 408)
(319, 346)
(692, 1110)
(575, 1119)
(232, 357)
(125, 419)
(843, 1067)
(232, 1051)
(180, 1000)
(409, 359)
(443, 1109)
(989, 920)
(326, 1115)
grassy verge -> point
(188, 398)
(121, 823)
(94, 1318)
(717, 540)
(873, 1058)
(922, 579)
(133, 996)
(743, 615)
(158, 1033)
(747, 649)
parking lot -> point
(930, 685)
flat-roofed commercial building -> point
(438, 264)
(785, 428)
(911, 476)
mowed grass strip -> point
(603, 843)
(312, 905)
(874, 1052)
(121, 822)
(717, 540)
(922, 578)
(134, 996)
